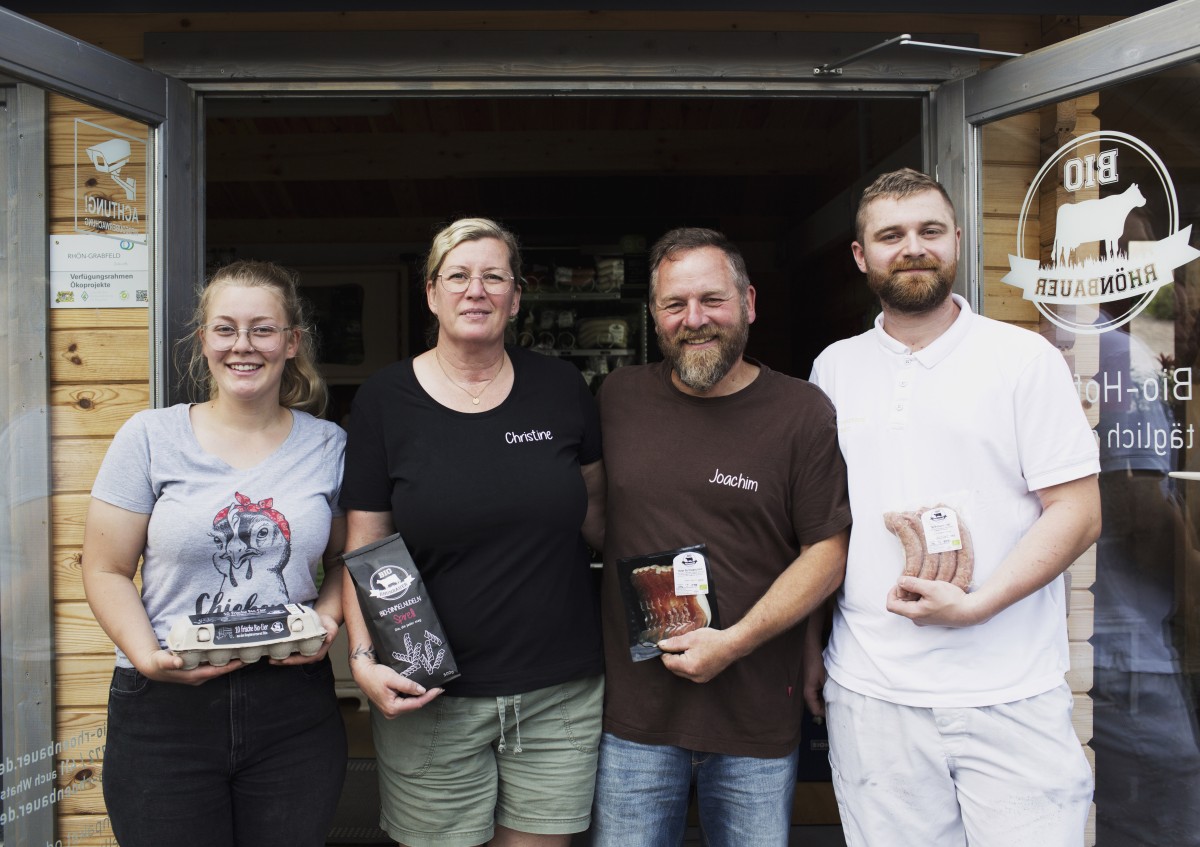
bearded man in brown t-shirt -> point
(711, 448)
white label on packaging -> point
(691, 574)
(941, 530)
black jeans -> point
(254, 758)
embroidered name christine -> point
(532, 435)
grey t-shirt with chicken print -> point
(222, 539)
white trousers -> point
(1012, 775)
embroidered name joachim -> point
(732, 481)
(532, 435)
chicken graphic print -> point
(253, 545)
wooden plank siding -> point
(123, 34)
(99, 369)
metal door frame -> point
(35, 59)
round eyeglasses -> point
(494, 282)
(223, 337)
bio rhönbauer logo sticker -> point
(390, 582)
(1115, 251)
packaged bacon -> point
(936, 542)
(404, 626)
(666, 594)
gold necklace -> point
(474, 397)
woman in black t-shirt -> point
(487, 460)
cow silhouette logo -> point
(1116, 238)
(391, 582)
(1101, 220)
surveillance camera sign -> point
(110, 182)
(105, 262)
(1116, 237)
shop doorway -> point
(350, 190)
(357, 186)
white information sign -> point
(97, 271)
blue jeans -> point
(255, 758)
(642, 796)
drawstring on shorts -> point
(501, 709)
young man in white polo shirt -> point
(949, 718)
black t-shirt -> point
(490, 505)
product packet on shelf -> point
(404, 627)
(666, 594)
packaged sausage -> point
(936, 543)
(403, 624)
(666, 594)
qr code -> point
(142, 295)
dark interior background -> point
(365, 182)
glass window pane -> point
(76, 281)
(1089, 208)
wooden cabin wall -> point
(100, 357)
(99, 368)
(123, 33)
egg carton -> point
(275, 631)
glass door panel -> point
(84, 161)
(1089, 210)
(78, 283)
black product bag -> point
(404, 627)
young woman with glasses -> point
(487, 460)
(231, 505)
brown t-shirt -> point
(753, 475)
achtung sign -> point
(110, 182)
(105, 261)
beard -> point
(700, 370)
(913, 293)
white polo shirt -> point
(979, 420)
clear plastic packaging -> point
(936, 543)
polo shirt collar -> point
(941, 347)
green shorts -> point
(448, 773)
